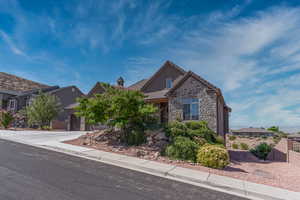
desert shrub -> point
(6, 118)
(235, 146)
(182, 148)
(244, 146)
(213, 156)
(232, 137)
(176, 128)
(262, 150)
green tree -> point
(43, 109)
(274, 129)
(6, 119)
(125, 109)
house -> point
(252, 132)
(16, 93)
(184, 95)
(179, 94)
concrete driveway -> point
(40, 137)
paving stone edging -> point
(203, 179)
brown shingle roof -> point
(15, 83)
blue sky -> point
(250, 49)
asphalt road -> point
(29, 173)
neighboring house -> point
(16, 93)
(11, 86)
(76, 123)
(252, 132)
(180, 95)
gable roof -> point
(197, 77)
(14, 83)
(166, 64)
(96, 86)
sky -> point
(248, 48)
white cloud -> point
(12, 45)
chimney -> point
(120, 82)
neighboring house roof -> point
(14, 83)
(251, 130)
(138, 85)
(10, 92)
(63, 88)
(36, 91)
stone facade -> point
(192, 88)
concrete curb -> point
(203, 179)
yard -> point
(243, 165)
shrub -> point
(6, 119)
(262, 150)
(213, 156)
(244, 146)
(135, 137)
(232, 137)
(220, 140)
(182, 148)
(235, 146)
(191, 130)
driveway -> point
(40, 137)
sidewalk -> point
(203, 179)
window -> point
(169, 83)
(296, 146)
(190, 109)
(12, 104)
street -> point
(30, 173)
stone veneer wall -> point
(192, 88)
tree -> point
(6, 118)
(43, 109)
(125, 109)
(274, 129)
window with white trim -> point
(169, 83)
(190, 109)
(12, 105)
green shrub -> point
(220, 140)
(213, 156)
(235, 146)
(244, 146)
(191, 130)
(232, 137)
(135, 137)
(6, 118)
(183, 149)
(262, 150)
